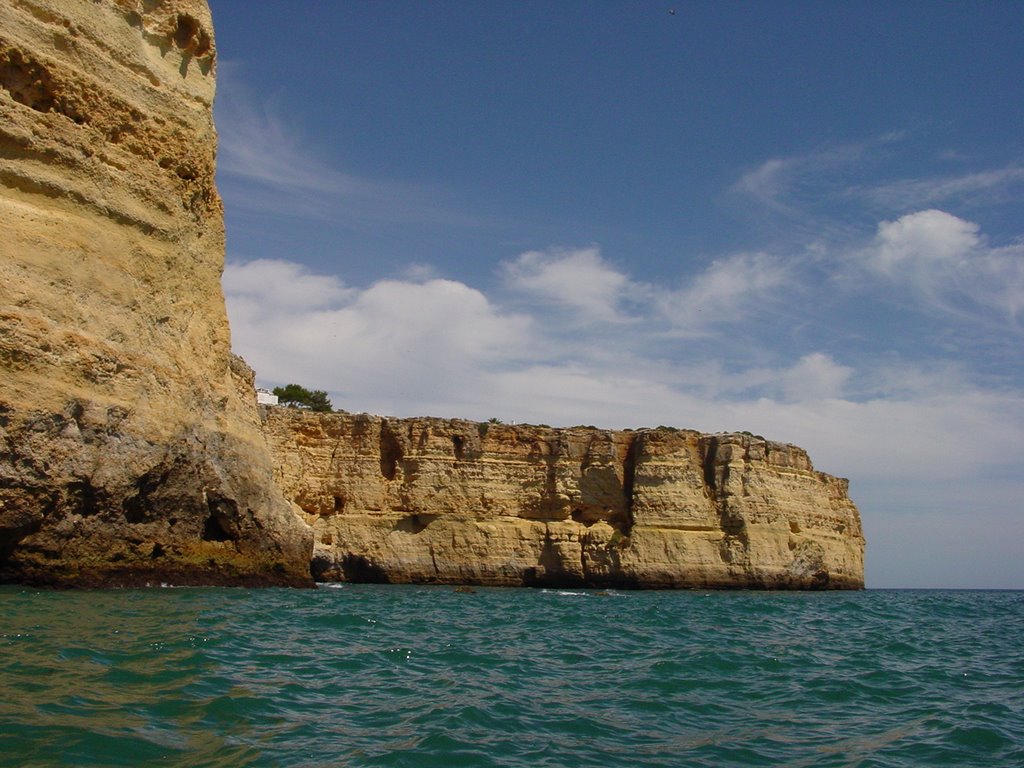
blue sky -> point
(801, 219)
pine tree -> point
(297, 396)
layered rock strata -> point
(447, 501)
(130, 445)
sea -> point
(379, 675)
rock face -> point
(435, 501)
(130, 445)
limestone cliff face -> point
(436, 501)
(130, 447)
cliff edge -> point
(456, 502)
(130, 444)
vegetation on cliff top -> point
(295, 395)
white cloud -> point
(278, 285)
(727, 292)
(393, 341)
(976, 187)
(577, 280)
(921, 242)
(816, 377)
(946, 262)
(437, 321)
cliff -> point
(448, 501)
(130, 445)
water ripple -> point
(416, 676)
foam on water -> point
(421, 676)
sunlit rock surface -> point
(446, 501)
(130, 446)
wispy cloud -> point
(974, 188)
(269, 165)
(789, 184)
(725, 294)
(769, 183)
(848, 175)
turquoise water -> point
(363, 675)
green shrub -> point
(297, 396)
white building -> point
(265, 397)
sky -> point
(800, 219)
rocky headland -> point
(448, 501)
(132, 450)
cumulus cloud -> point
(945, 261)
(578, 280)
(278, 285)
(921, 242)
(393, 341)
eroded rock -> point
(456, 502)
(130, 446)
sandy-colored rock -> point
(449, 501)
(130, 447)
